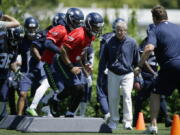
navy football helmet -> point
(31, 26)
(94, 24)
(74, 18)
(15, 35)
(116, 21)
(58, 19)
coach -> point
(121, 56)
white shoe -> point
(151, 130)
(128, 126)
(107, 117)
(112, 124)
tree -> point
(132, 25)
(16, 8)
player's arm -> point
(49, 44)
(67, 62)
(15, 65)
(35, 52)
(89, 55)
(10, 21)
(146, 53)
(150, 68)
(64, 55)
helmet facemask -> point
(96, 30)
(31, 32)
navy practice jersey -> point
(7, 56)
(39, 43)
(165, 38)
(24, 50)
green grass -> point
(120, 131)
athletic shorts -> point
(166, 82)
(30, 79)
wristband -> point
(70, 66)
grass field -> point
(120, 131)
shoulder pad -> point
(40, 34)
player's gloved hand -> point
(18, 75)
(89, 81)
(137, 70)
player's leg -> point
(25, 85)
(38, 95)
(140, 98)
(76, 94)
(102, 97)
(163, 107)
(3, 97)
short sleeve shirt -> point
(165, 38)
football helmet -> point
(74, 18)
(31, 26)
(58, 19)
(116, 21)
(15, 35)
(94, 23)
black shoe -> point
(69, 116)
(54, 107)
(168, 123)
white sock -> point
(39, 93)
(77, 110)
(82, 108)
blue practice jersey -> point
(166, 39)
(7, 56)
(24, 50)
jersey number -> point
(5, 60)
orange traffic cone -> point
(175, 129)
(140, 124)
